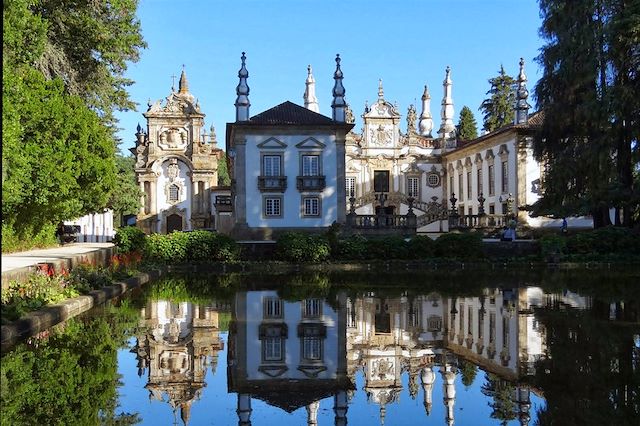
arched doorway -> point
(174, 223)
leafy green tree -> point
(467, 126)
(588, 93)
(502, 392)
(468, 371)
(223, 171)
(59, 158)
(89, 43)
(499, 108)
(125, 197)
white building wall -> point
(186, 194)
(94, 227)
(292, 316)
(292, 201)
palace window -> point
(492, 327)
(311, 206)
(470, 320)
(413, 188)
(381, 181)
(434, 323)
(272, 349)
(460, 186)
(271, 165)
(271, 307)
(272, 207)
(351, 186)
(505, 177)
(312, 348)
(451, 184)
(479, 183)
(311, 308)
(492, 180)
(310, 165)
(174, 193)
(433, 179)
(492, 209)
(469, 196)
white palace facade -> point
(293, 168)
(410, 180)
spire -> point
(338, 105)
(522, 107)
(426, 121)
(447, 127)
(380, 91)
(242, 90)
(428, 377)
(310, 99)
(183, 85)
(312, 413)
(449, 391)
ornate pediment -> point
(272, 143)
(175, 103)
(173, 138)
(312, 143)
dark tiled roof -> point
(290, 113)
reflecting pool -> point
(337, 349)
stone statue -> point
(349, 115)
(412, 116)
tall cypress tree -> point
(467, 127)
(588, 92)
(499, 109)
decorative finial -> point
(310, 99)
(380, 90)
(425, 94)
(139, 129)
(447, 128)
(338, 105)
(183, 85)
(522, 107)
(173, 83)
(149, 104)
(242, 90)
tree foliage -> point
(63, 65)
(467, 126)
(499, 108)
(589, 95)
(125, 197)
(223, 171)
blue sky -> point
(405, 43)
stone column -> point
(195, 199)
(153, 202)
(142, 198)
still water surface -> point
(341, 349)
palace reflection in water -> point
(294, 354)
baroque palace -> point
(293, 168)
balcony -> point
(310, 183)
(272, 183)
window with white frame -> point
(351, 186)
(271, 307)
(492, 180)
(460, 186)
(174, 193)
(271, 165)
(413, 187)
(311, 206)
(505, 177)
(479, 183)
(272, 348)
(312, 348)
(273, 206)
(433, 179)
(469, 186)
(310, 165)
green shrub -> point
(189, 246)
(300, 247)
(390, 247)
(609, 240)
(27, 238)
(352, 248)
(38, 290)
(421, 247)
(129, 238)
(553, 245)
(460, 246)
(86, 278)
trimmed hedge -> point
(129, 238)
(190, 246)
(300, 247)
(459, 246)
